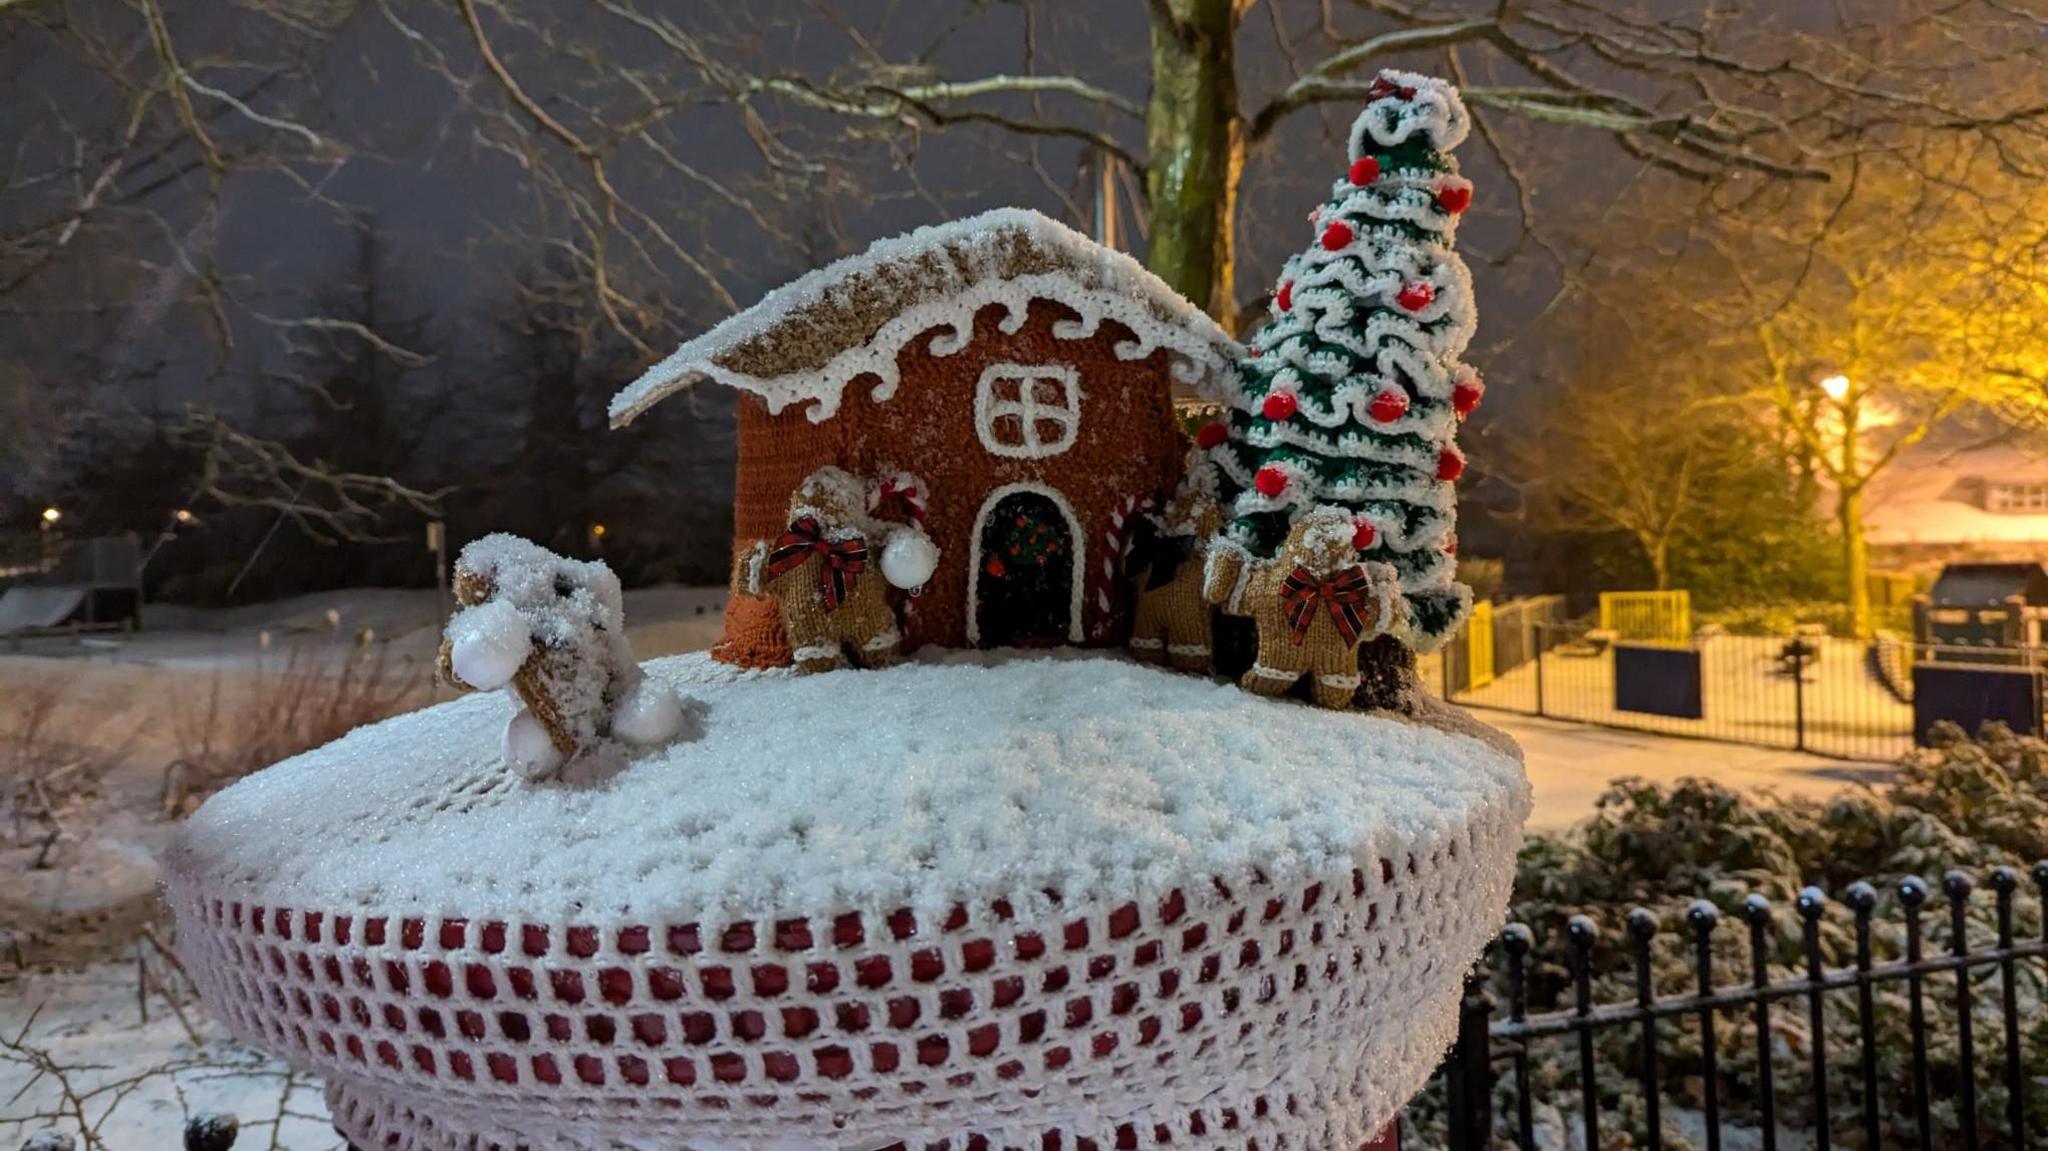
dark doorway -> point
(1024, 590)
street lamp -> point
(1850, 478)
(48, 535)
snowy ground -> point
(76, 1054)
(1748, 696)
(133, 1082)
(1570, 764)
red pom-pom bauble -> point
(1270, 481)
(1211, 434)
(1451, 546)
(1362, 534)
(1337, 236)
(1279, 405)
(1465, 396)
(1449, 465)
(1389, 406)
(1454, 198)
(1365, 171)
(1285, 296)
(1415, 296)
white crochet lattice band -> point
(1297, 1015)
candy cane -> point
(906, 485)
(912, 490)
(1114, 541)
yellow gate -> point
(1647, 616)
(1479, 644)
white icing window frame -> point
(1075, 634)
(1028, 409)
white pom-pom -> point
(528, 749)
(648, 714)
(489, 642)
(909, 559)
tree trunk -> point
(1658, 551)
(1855, 559)
(1194, 151)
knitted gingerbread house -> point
(1013, 376)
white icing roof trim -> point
(1123, 291)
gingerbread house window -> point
(1028, 411)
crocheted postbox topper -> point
(1001, 900)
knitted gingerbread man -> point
(553, 630)
(822, 570)
(1313, 603)
(1165, 569)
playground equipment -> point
(95, 584)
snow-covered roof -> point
(1940, 492)
(806, 341)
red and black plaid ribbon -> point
(1345, 594)
(839, 562)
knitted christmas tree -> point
(1352, 392)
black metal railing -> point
(1806, 692)
(1942, 1005)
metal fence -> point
(1808, 692)
(1941, 979)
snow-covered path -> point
(77, 1056)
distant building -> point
(1959, 499)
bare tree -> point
(1881, 316)
(1704, 93)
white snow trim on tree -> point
(1421, 642)
(1305, 489)
(1436, 111)
(1344, 408)
(1420, 459)
(1407, 197)
(1390, 340)
(945, 274)
(1329, 285)
(1079, 568)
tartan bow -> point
(1346, 593)
(840, 562)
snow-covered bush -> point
(1965, 803)
(243, 722)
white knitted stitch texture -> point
(1276, 996)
